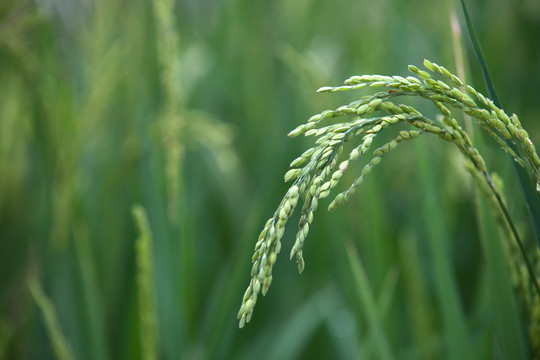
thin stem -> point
(530, 268)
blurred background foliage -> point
(143, 146)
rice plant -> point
(317, 171)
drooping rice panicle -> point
(317, 171)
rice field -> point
(143, 147)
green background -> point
(88, 118)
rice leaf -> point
(369, 303)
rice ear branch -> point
(172, 120)
(379, 153)
(507, 131)
(146, 302)
(264, 257)
(61, 347)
